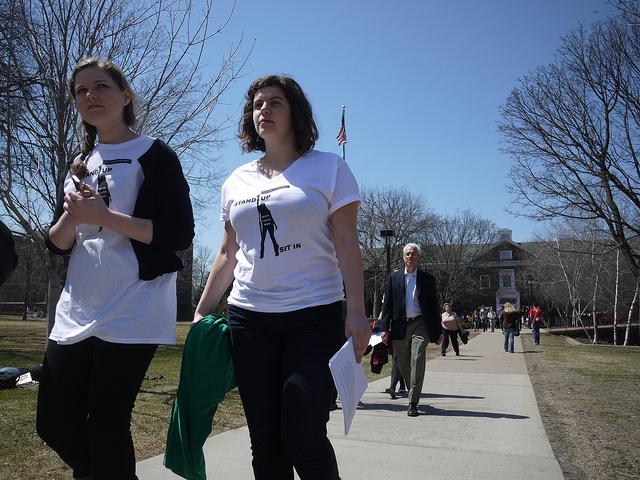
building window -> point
(507, 279)
(485, 281)
(506, 254)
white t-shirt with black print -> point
(287, 259)
(103, 295)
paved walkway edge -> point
(479, 420)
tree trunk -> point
(615, 300)
(27, 287)
(376, 310)
(56, 269)
(593, 311)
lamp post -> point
(387, 234)
(529, 283)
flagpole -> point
(343, 129)
(342, 134)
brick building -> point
(502, 274)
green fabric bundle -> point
(205, 376)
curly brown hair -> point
(304, 126)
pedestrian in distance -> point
(476, 320)
(411, 319)
(510, 326)
(285, 305)
(499, 313)
(484, 319)
(535, 316)
(491, 317)
(122, 212)
(451, 326)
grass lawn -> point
(23, 454)
(589, 401)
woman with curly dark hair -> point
(285, 306)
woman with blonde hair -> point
(122, 212)
(509, 325)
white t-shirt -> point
(103, 295)
(286, 259)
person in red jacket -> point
(535, 315)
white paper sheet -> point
(349, 379)
(375, 339)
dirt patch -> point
(588, 400)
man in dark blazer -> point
(411, 319)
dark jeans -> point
(535, 328)
(453, 335)
(281, 367)
(509, 338)
(85, 398)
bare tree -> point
(579, 274)
(387, 209)
(160, 47)
(633, 305)
(573, 129)
(200, 273)
(454, 247)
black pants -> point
(453, 335)
(85, 398)
(281, 367)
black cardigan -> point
(164, 199)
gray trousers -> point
(412, 357)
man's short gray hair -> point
(415, 246)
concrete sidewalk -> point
(479, 420)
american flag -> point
(342, 133)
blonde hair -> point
(509, 308)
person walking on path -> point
(285, 307)
(475, 320)
(123, 211)
(410, 319)
(499, 313)
(484, 319)
(510, 325)
(451, 325)
(491, 316)
(535, 316)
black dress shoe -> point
(391, 393)
(413, 410)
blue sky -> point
(422, 81)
